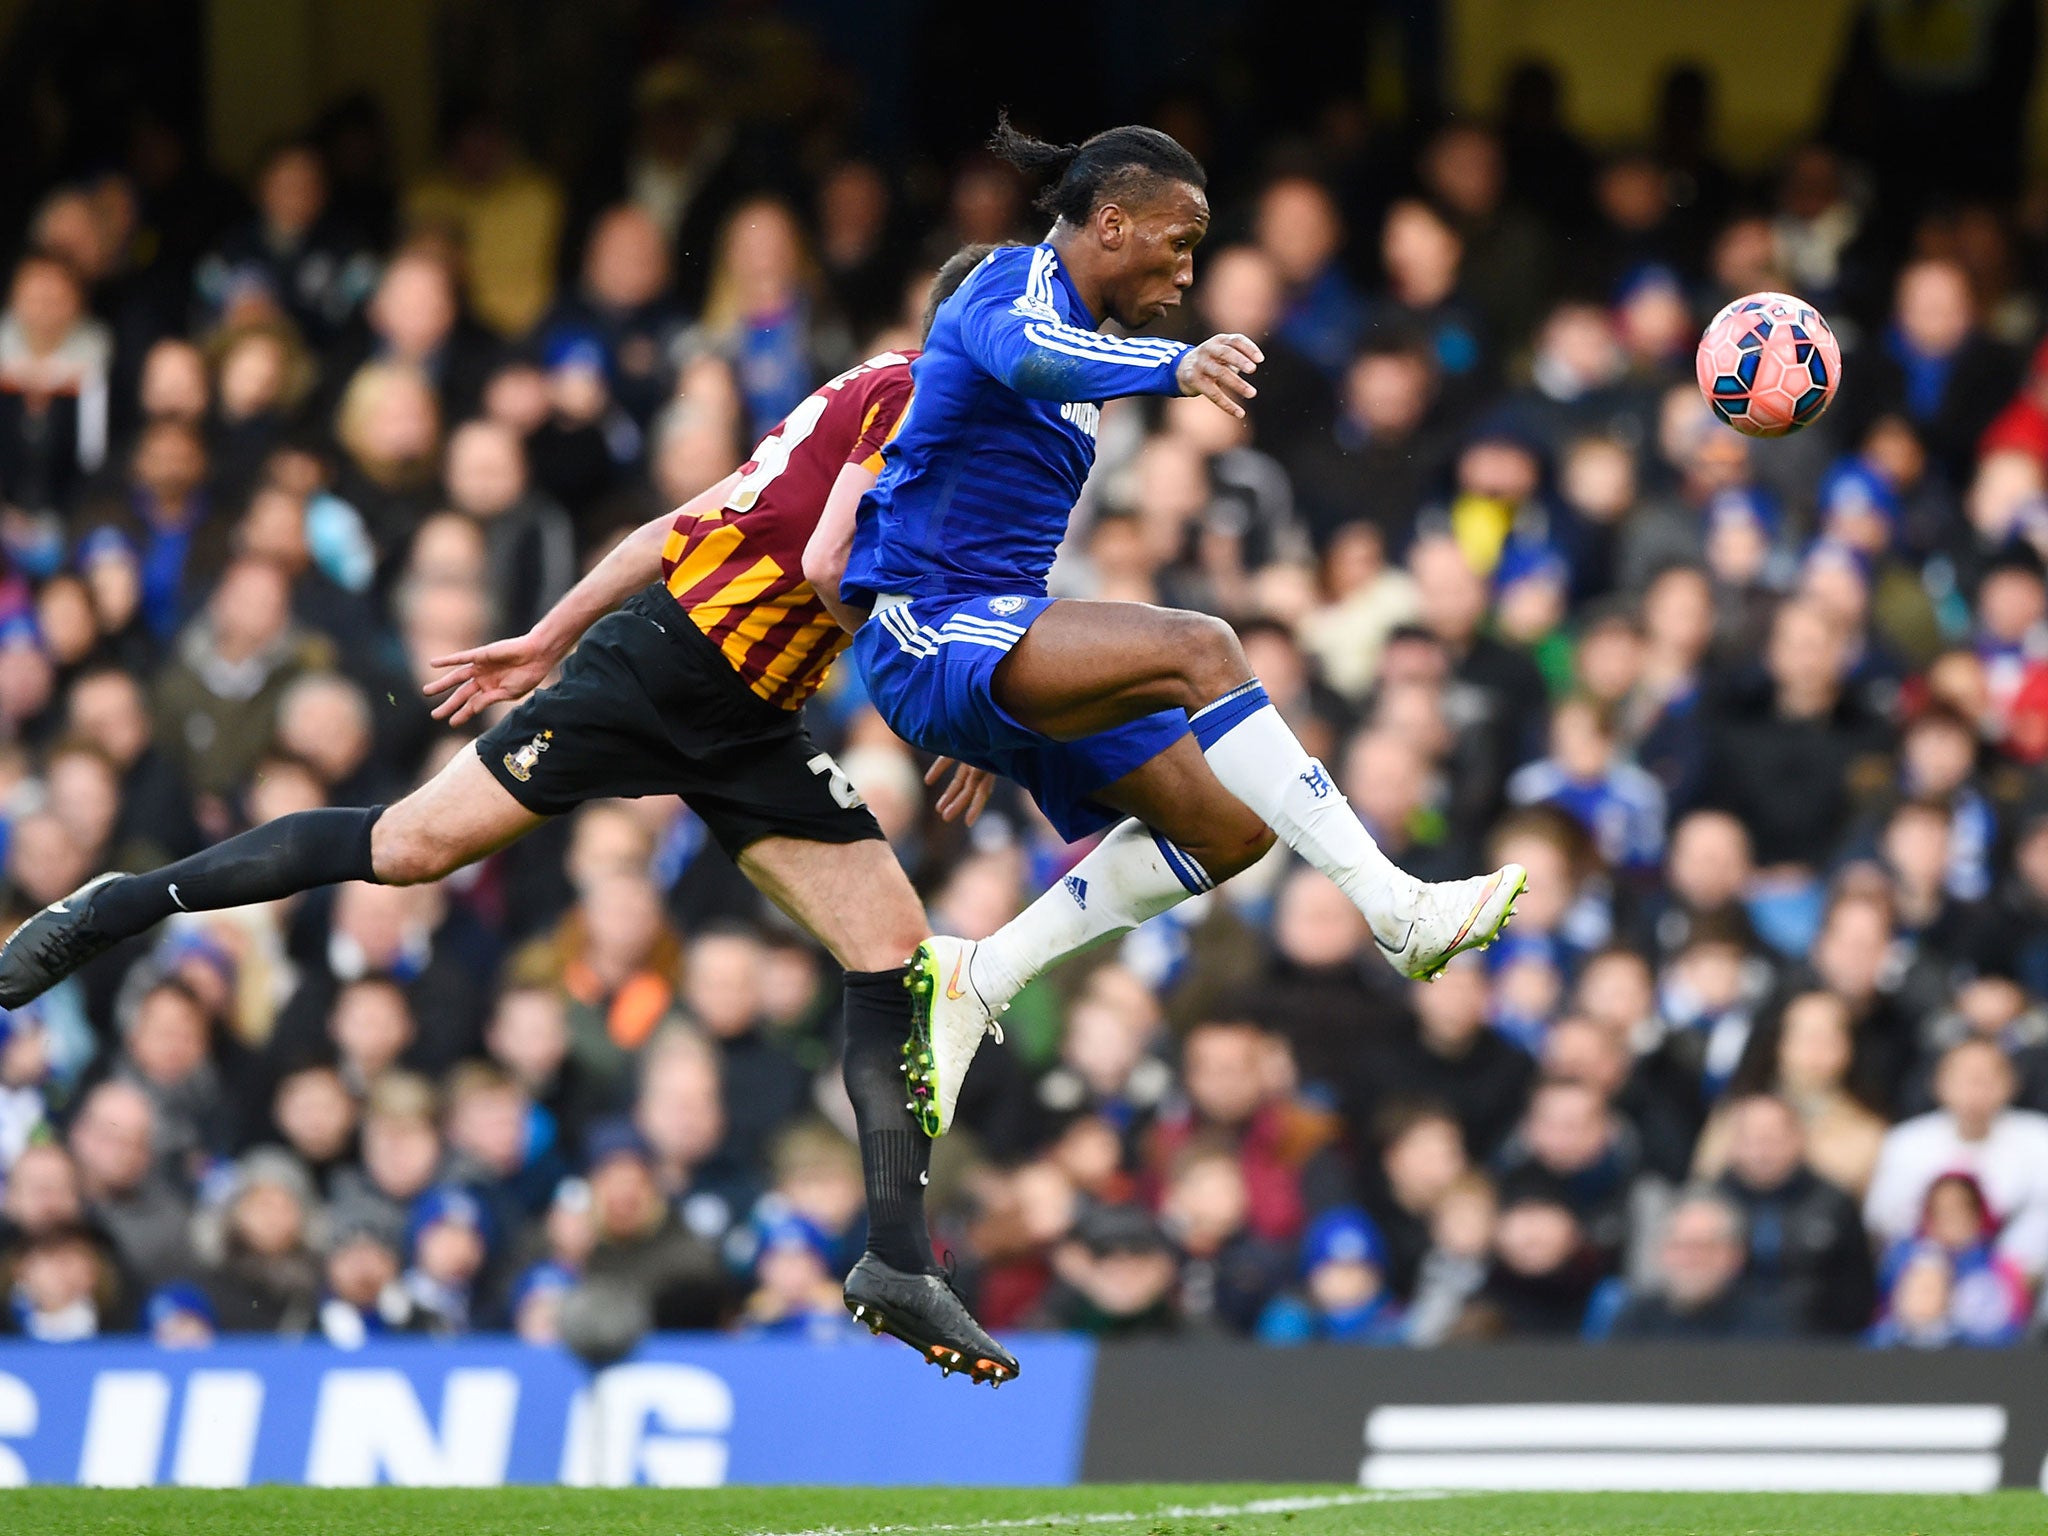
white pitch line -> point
(1275, 1506)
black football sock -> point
(894, 1151)
(291, 854)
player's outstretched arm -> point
(1216, 371)
(476, 679)
(831, 542)
(1016, 335)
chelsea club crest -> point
(1004, 605)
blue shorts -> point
(928, 663)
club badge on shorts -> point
(1004, 605)
(520, 764)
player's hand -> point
(1216, 371)
(489, 674)
(965, 796)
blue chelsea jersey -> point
(978, 484)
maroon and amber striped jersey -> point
(738, 571)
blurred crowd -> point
(1765, 1054)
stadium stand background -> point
(339, 337)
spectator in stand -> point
(504, 214)
(166, 514)
(614, 956)
(401, 1156)
(1702, 1294)
(491, 1149)
(680, 1115)
(1321, 989)
(1786, 760)
(1573, 1141)
(1421, 1158)
(529, 541)
(641, 1242)
(528, 1035)
(1239, 1086)
(1343, 1297)
(1424, 260)
(1935, 366)
(317, 1116)
(796, 1286)
(536, 1303)
(362, 1297)
(1227, 1272)
(1510, 254)
(761, 311)
(624, 301)
(62, 1290)
(168, 1055)
(1805, 1059)
(1300, 230)
(721, 994)
(1382, 457)
(448, 1240)
(180, 1316)
(1807, 1251)
(1542, 1274)
(1975, 1131)
(1502, 683)
(54, 404)
(1114, 1277)
(216, 701)
(1456, 1265)
(264, 1272)
(292, 257)
(1620, 806)
(1448, 1056)
(144, 1213)
(388, 426)
(1948, 1284)
(1241, 288)
(265, 374)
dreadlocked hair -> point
(1116, 165)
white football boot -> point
(1447, 918)
(948, 1022)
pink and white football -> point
(1769, 364)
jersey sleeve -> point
(882, 414)
(1012, 329)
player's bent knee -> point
(1208, 654)
(1223, 857)
(402, 852)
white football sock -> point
(1131, 875)
(1259, 760)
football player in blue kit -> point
(1146, 722)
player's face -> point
(1158, 254)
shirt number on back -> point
(771, 458)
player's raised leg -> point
(457, 817)
(855, 899)
(1085, 667)
(1187, 834)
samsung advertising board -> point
(703, 1412)
(678, 1414)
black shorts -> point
(647, 705)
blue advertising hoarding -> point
(680, 1413)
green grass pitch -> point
(1140, 1510)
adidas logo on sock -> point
(1078, 889)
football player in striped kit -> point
(686, 656)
